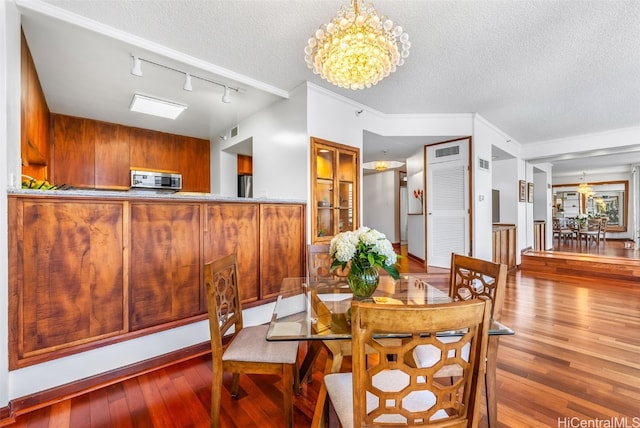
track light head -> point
(136, 70)
(187, 82)
(225, 97)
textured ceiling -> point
(538, 70)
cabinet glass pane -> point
(325, 221)
(324, 193)
(345, 213)
(324, 163)
(346, 167)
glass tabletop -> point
(320, 308)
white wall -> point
(485, 136)
(380, 199)
(416, 244)
(543, 200)
(505, 179)
(280, 151)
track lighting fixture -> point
(187, 83)
(136, 70)
(225, 96)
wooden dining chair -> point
(604, 221)
(473, 278)
(248, 351)
(591, 233)
(382, 390)
(319, 263)
(561, 230)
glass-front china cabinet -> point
(334, 182)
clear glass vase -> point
(363, 284)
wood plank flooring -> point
(575, 354)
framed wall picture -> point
(522, 191)
(530, 193)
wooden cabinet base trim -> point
(26, 404)
(71, 350)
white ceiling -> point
(538, 70)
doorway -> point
(448, 210)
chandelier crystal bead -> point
(358, 48)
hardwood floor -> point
(575, 354)
(608, 249)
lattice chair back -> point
(473, 278)
(221, 284)
(388, 388)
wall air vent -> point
(234, 131)
(447, 151)
(483, 164)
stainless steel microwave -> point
(156, 180)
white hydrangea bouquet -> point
(362, 250)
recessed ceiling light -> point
(156, 107)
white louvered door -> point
(447, 202)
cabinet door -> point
(152, 149)
(282, 245)
(194, 163)
(233, 228)
(334, 182)
(73, 151)
(165, 263)
(71, 270)
(112, 156)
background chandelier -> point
(358, 48)
(584, 187)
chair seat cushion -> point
(340, 391)
(251, 345)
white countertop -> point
(146, 194)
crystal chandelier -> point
(584, 187)
(358, 48)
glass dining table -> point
(318, 310)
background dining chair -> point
(473, 278)
(392, 390)
(561, 230)
(591, 233)
(604, 221)
(319, 263)
(248, 351)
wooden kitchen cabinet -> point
(193, 156)
(112, 166)
(282, 245)
(165, 263)
(93, 154)
(34, 116)
(73, 151)
(87, 272)
(152, 150)
(69, 291)
(89, 153)
(234, 228)
(504, 244)
(334, 189)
